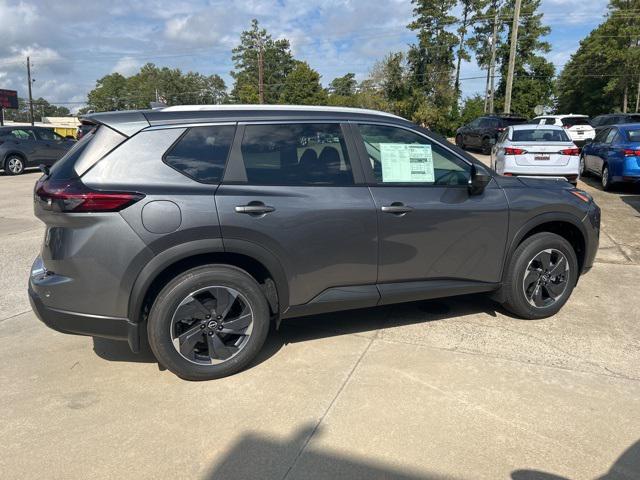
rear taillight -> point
(514, 151)
(567, 126)
(74, 196)
(631, 152)
(570, 151)
(501, 129)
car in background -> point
(536, 151)
(615, 119)
(24, 147)
(83, 129)
(479, 133)
(614, 155)
(577, 126)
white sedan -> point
(536, 151)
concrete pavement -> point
(446, 389)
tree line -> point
(423, 82)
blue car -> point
(614, 155)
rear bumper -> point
(569, 177)
(85, 324)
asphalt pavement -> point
(443, 389)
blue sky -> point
(73, 43)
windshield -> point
(540, 135)
(570, 121)
(633, 135)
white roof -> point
(563, 116)
(302, 108)
(535, 126)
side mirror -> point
(478, 181)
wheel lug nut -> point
(201, 326)
(210, 333)
(207, 316)
(219, 327)
(219, 317)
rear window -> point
(540, 135)
(514, 121)
(296, 154)
(571, 121)
(633, 135)
(86, 153)
(201, 153)
(634, 118)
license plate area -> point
(542, 157)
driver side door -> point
(430, 229)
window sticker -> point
(402, 162)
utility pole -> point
(638, 97)
(492, 65)
(30, 95)
(512, 56)
(260, 72)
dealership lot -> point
(451, 388)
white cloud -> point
(127, 66)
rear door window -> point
(23, 134)
(296, 154)
(611, 135)
(201, 152)
(48, 135)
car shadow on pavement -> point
(626, 467)
(617, 188)
(633, 201)
(349, 322)
(256, 456)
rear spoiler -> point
(127, 123)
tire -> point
(582, 171)
(486, 146)
(13, 165)
(208, 351)
(523, 280)
(459, 141)
(605, 178)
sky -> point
(73, 43)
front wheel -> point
(208, 322)
(14, 165)
(541, 275)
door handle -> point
(397, 208)
(254, 209)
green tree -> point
(41, 108)
(110, 94)
(277, 60)
(602, 75)
(472, 107)
(471, 10)
(533, 82)
(302, 87)
(344, 86)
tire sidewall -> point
(606, 179)
(528, 249)
(6, 165)
(581, 168)
(159, 321)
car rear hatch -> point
(543, 155)
(578, 128)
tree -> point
(533, 74)
(41, 108)
(302, 87)
(110, 93)
(602, 74)
(344, 86)
(471, 9)
(277, 59)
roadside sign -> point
(8, 99)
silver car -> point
(536, 151)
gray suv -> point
(196, 228)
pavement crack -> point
(14, 315)
(328, 409)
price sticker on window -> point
(403, 162)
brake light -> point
(630, 152)
(570, 151)
(501, 129)
(567, 126)
(514, 151)
(74, 196)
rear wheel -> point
(14, 165)
(541, 275)
(208, 322)
(582, 168)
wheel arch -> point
(251, 258)
(14, 152)
(565, 225)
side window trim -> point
(363, 156)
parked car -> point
(25, 147)
(83, 129)
(614, 155)
(537, 151)
(577, 126)
(615, 118)
(479, 133)
(225, 223)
